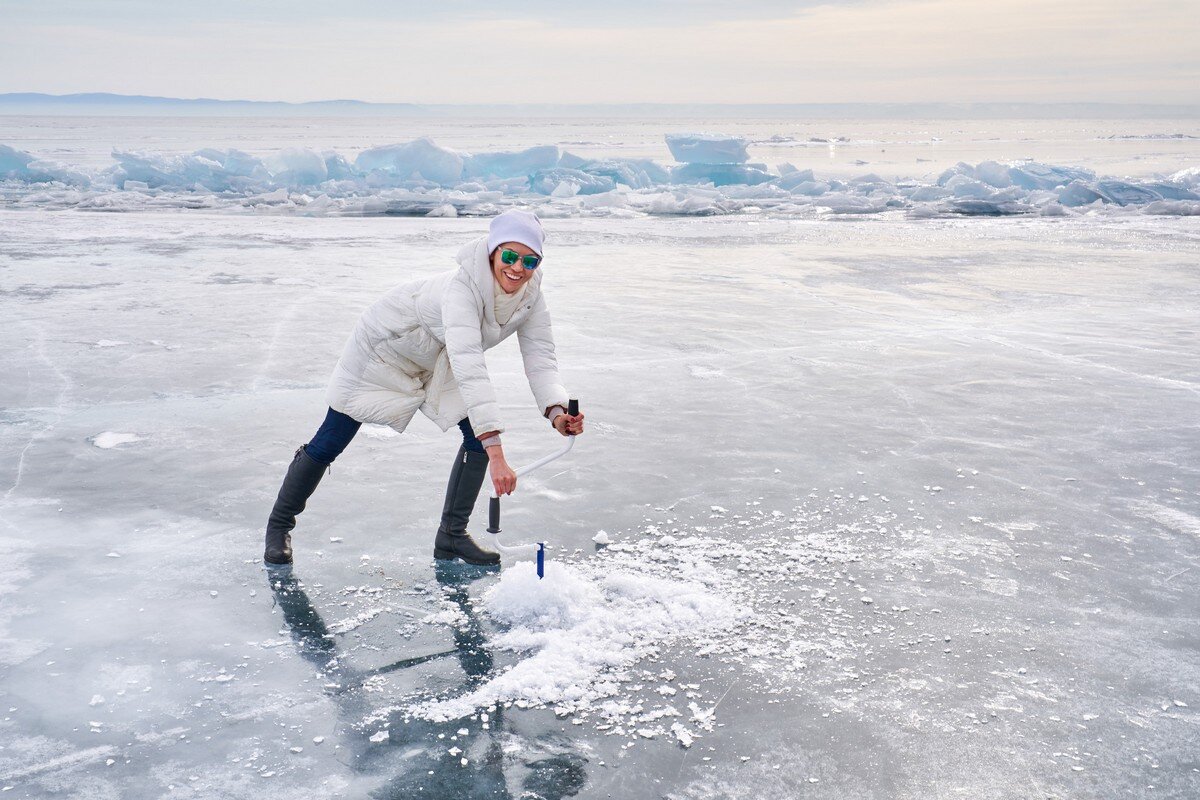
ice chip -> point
(682, 735)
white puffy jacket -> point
(421, 345)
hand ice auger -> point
(538, 548)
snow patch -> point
(111, 439)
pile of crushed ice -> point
(644, 638)
(585, 631)
(712, 175)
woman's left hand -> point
(569, 425)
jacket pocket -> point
(413, 344)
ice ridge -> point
(423, 178)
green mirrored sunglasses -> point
(510, 257)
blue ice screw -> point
(541, 560)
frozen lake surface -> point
(897, 509)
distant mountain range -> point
(140, 101)
(104, 104)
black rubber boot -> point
(301, 481)
(453, 541)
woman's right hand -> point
(503, 477)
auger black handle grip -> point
(494, 515)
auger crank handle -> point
(494, 508)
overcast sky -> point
(608, 51)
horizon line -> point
(79, 96)
(107, 104)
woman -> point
(421, 346)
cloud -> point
(892, 51)
(556, 13)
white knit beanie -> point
(515, 225)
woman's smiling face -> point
(511, 278)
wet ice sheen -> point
(985, 427)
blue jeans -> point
(338, 429)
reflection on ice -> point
(473, 755)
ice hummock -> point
(21, 167)
(215, 170)
(721, 174)
(707, 148)
(298, 166)
(417, 160)
(716, 159)
(516, 164)
(1027, 175)
(421, 177)
(567, 182)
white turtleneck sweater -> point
(506, 304)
